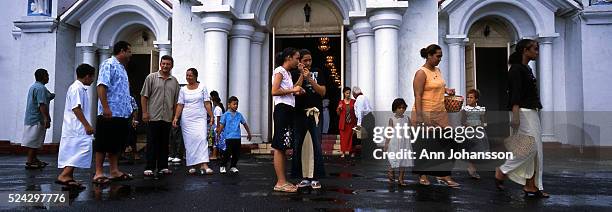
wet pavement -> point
(576, 182)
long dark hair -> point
(517, 56)
(214, 96)
(281, 56)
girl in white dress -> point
(398, 144)
(193, 104)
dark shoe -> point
(535, 194)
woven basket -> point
(453, 103)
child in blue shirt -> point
(229, 125)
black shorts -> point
(283, 127)
(111, 134)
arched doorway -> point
(322, 34)
(486, 56)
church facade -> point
(377, 42)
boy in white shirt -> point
(75, 149)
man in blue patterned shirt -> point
(114, 110)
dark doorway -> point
(138, 68)
(492, 80)
(319, 60)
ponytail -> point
(281, 56)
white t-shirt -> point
(75, 96)
(286, 84)
(217, 112)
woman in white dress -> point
(193, 103)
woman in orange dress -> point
(428, 110)
(346, 121)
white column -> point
(365, 40)
(255, 86)
(89, 57)
(354, 62)
(214, 76)
(239, 66)
(455, 47)
(164, 47)
(104, 52)
(545, 66)
(385, 24)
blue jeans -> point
(303, 124)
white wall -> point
(187, 41)
(419, 29)
(8, 61)
(64, 72)
(596, 76)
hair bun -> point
(424, 53)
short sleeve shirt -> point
(114, 76)
(286, 84)
(231, 124)
(162, 94)
(37, 95)
(75, 96)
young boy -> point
(230, 126)
(75, 149)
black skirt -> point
(283, 127)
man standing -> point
(114, 110)
(365, 122)
(37, 119)
(307, 127)
(158, 98)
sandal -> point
(71, 183)
(34, 165)
(192, 171)
(101, 180)
(123, 177)
(165, 171)
(287, 187)
(424, 181)
(41, 162)
(449, 183)
(206, 171)
(148, 173)
(535, 194)
(473, 174)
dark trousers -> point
(233, 151)
(158, 135)
(177, 147)
(302, 125)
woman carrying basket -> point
(429, 111)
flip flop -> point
(123, 177)
(100, 180)
(70, 183)
(287, 187)
(34, 165)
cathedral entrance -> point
(316, 26)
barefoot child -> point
(473, 115)
(398, 144)
(75, 149)
(229, 125)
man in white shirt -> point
(365, 122)
(362, 105)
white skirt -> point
(75, 152)
(33, 136)
(521, 169)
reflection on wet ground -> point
(350, 185)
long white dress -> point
(76, 146)
(193, 124)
